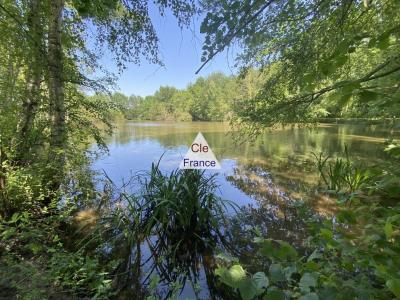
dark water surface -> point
(260, 176)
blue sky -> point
(180, 51)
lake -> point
(261, 176)
(280, 163)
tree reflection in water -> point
(276, 214)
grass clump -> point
(165, 233)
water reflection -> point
(285, 155)
(263, 177)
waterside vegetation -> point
(64, 234)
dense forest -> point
(219, 97)
(208, 99)
(64, 235)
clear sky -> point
(180, 51)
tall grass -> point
(341, 174)
(186, 217)
(171, 226)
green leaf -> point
(10, 232)
(340, 97)
(383, 42)
(315, 255)
(308, 78)
(367, 96)
(14, 218)
(388, 230)
(276, 273)
(307, 280)
(394, 286)
(347, 216)
(350, 87)
(327, 68)
(326, 233)
(231, 277)
(309, 296)
(288, 271)
(286, 251)
(275, 295)
(312, 266)
(261, 282)
(328, 293)
(277, 249)
(247, 288)
(340, 60)
(267, 247)
(34, 247)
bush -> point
(354, 255)
(37, 265)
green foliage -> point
(208, 99)
(352, 255)
(23, 186)
(81, 274)
(393, 149)
(47, 121)
(32, 245)
(183, 211)
(329, 58)
(337, 59)
(341, 175)
(47, 124)
(343, 263)
(176, 215)
(248, 287)
(179, 199)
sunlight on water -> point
(279, 164)
(261, 177)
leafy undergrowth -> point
(26, 279)
(36, 264)
(354, 255)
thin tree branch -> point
(232, 35)
(312, 97)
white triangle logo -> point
(200, 156)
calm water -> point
(261, 176)
(279, 164)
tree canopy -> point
(207, 99)
(50, 55)
(320, 58)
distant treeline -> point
(219, 97)
(207, 99)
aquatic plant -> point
(341, 174)
(170, 227)
(185, 217)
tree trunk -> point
(56, 93)
(33, 80)
(2, 171)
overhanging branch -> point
(233, 34)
